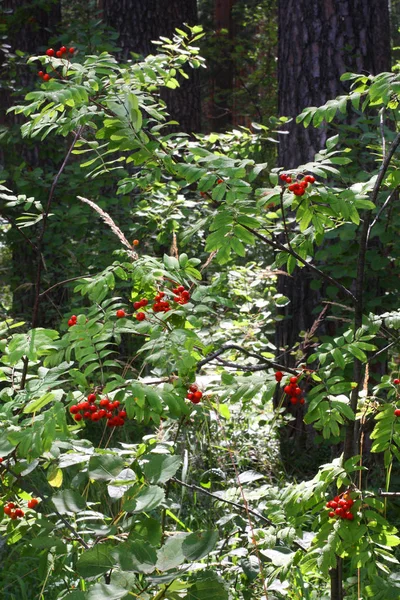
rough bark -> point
(138, 23)
(318, 41)
(29, 31)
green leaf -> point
(147, 499)
(357, 352)
(136, 556)
(105, 467)
(103, 591)
(199, 544)
(68, 501)
(207, 586)
(96, 561)
(170, 555)
(161, 467)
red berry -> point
(109, 415)
(220, 181)
(144, 302)
(59, 54)
(63, 50)
(102, 413)
(293, 380)
(104, 402)
(283, 177)
(299, 192)
(40, 73)
(278, 376)
(13, 515)
(92, 398)
(95, 416)
(297, 391)
(349, 516)
(111, 422)
(7, 510)
(342, 503)
(301, 400)
(293, 400)
(92, 408)
(180, 289)
(350, 502)
(20, 513)
(33, 503)
(11, 505)
(78, 417)
(71, 51)
(46, 77)
(397, 412)
(1, 460)
(339, 512)
(288, 180)
(135, 242)
(140, 316)
(137, 305)
(194, 387)
(332, 514)
(197, 396)
(116, 403)
(87, 415)
(120, 313)
(309, 179)
(189, 396)
(74, 410)
(122, 414)
(334, 504)
(50, 52)
(84, 405)
(396, 381)
(287, 389)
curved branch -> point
(267, 363)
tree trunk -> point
(27, 30)
(319, 40)
(138, 23)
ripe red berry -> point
(13, 515)
(293, 380)
(293, 400)
(397, 412)
(104, 402)
(46, 77)
(193, 387)
(7, 510)
(137, 305)
(84, 405)
(111, 422)
(299, 192)
(50, 52)
(309, 179)
(297, 391)
(92, 408)
(78, 417)
(120, 313)
(20, 513)
(140, 316)
(115, 404)
(333, 504)
(63, 50)
(301, 400)
(283, 177)
(288, 180)
(278, 376)
(87, 415)
(1, 460)
(349, 516)
(102, 413)
(40, 73)
(197, 396)
(74, 410)
(189, 396)
(33, 503)
(92, 398)
(135, 242)
(122, 414)
(287, 389)
(396, 381)
(11, 505)
(144, 302)
(339, 512)
(332, 514)
(59, 54)
(95, 416)
(109, 415)
(71, 50)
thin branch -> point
(229, 346)
(278, 246)
(62, 283)
(394, 194)
(241, 507)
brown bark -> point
(319, 40)
(138, 23)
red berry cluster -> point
(14, 512)
(161, 305)
(194, 394)
(72, 321)
(44, 76)
(294, 391)
(340, 507)
(105, 409)
(298, 187)
(61, 52)
(182, 296)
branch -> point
(229, 346)
(241, 507)
(62, 283)
(278, 246)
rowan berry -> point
(396, 381)
(87, 415)
(122, 414)
(121, 313)
(74, 409)
(59, 54)
(63, 50)
(140, 316)
(78, 417)
(104, 402)
(50, 52)
(193, 387)
(20, 513)
(33, 503)
(7, 510)
(40, 74)
(137, 305)
(71, 50)
(293, 380)
(278, 376)
(46, 77)
(197, 396)
(397, 412)
(92, 398)
(293, 400)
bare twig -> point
(267, 363)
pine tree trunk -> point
(138, 23)
(318, 41)
(27, 30)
